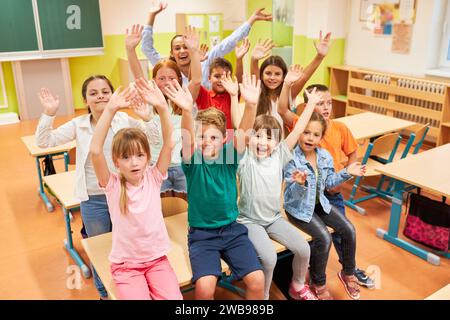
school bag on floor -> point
(428, 222)
(49, 168)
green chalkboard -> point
(70, 24)
(17, 26)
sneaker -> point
(364, 279)
(350, 284)
(303, 294)
(321, 292)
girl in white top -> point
(260, 177)
(96, 91)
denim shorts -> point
(230, 242)
(176, 181)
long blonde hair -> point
(126, 142)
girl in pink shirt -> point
(139, 266)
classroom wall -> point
(374, 52)
(118, 15)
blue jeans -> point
(337, 201)
(96, 219)
(176, 181)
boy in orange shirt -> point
(338, 140)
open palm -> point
(294, 74)
(323, 46)
(230, 84)
(242, 50)
(180, 96)
(250, 89)
(48, 101)
(133, 36)
(262, 49)
(356, 169)
(150, 93)
(158, 8)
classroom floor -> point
(34, 265)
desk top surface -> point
(368, 124)
(35, 151)
(62, 185)
(429, 170)
(442, 294)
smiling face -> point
(210, 140)
(164, 76)
(273, 77)
(325, 105)
(310, 138)
(262, 144)
(216, 79)
(98, 93)
(180, 52)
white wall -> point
(374, 52)
(311, 16)
(117, 15)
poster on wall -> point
(401, 38)
(380, 15)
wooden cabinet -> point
(422, 100)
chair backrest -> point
(421, 133)
(385, 144)
(72, 156)
(173, 205)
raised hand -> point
(180, 96)
(191, 38)
(314, 96)
(356, 169)
(133, 36)
(250, 89)
(157, 8)
(259, 15)
(141, 108)
(262, 49)
(49, 102)
(294, 74)
(203, 52)
(230, 84)
(150, 93)
(299, 176)
(242, 50)
(121, 99)
(323, 46)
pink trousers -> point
(154, 280)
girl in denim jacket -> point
(307, 176)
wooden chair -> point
(382, 145)
(173, 205)
(414, 143)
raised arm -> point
(322, 48)
(250, 91)
(183, 98)
(45, 135)
(231, 86)
(192, 41)
(147, 37)
(294, 74)
(241, 51)
(132, 39)
(302, 122)
(150, 93)
(260, 51)
(120, 99)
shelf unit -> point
(422, 100)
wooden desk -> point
(369, 125)
(62, 187)
(39, 153)
(442, 294)
(99, 247)
(428, 170)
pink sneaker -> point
(303, 294)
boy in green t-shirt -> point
(210, 167)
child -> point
(96, 91)
(338, 140)
(164, 72)
(178, 50)
(273, 71)
(210, 169)
(307, 177)
(260, 177)
(139, 266)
